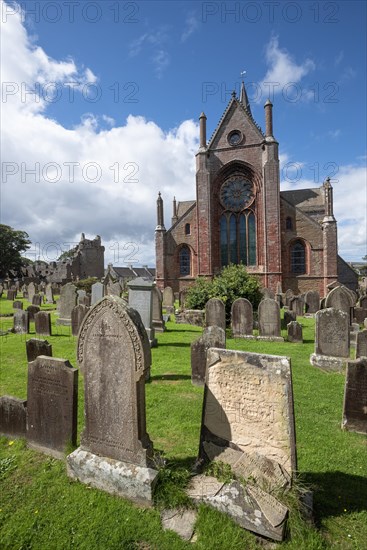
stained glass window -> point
(238, 238)
(185, 260)
(298, 257)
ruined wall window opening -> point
(185, 261)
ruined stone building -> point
(241, 216)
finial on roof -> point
(244, 99)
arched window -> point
(238, 238)
(185, 260)
(187, 229)
(298, 257)
(289, 223)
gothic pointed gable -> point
(236, 118)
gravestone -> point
(242, 321)
(32, 310)
(97, 293)
(1, 290)
(81, 295)
(77, 315)
(68, 299)
(312, 301)
(52, 402)
(359, 315)
(331, 339)
(36, 347)
(340, 298)
(36, 300)
(288, 295)
(279, 288)
(269, 319)
(267, 293)
(294, 330)
(168, 299)
(17, 304)
(355, 397)
(289, 316)
(182, 298)
(20, 322)
(215, 313)
(49, 293)
(13, 416)
(296, 304)
(85, 300)
(213, 337)
(248, 406)
(115, 453)
(31, 291)
(361, 348)
(42, 323)
(11, 295)
(114, 289)
(158, 322)
(141, 299)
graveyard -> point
(41, 506)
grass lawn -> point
(42, 508)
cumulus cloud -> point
(191, 25)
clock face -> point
(236, 193)
(235, 137)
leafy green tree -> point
(12, 244)
(233, 282)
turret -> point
(160, 220)
(269, 121)
(202, 120)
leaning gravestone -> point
(77, 315)
(312, 301)
(42, 323)
(213, 337)
(294, 330)
(32, 310)
(115, 453)
(158, 322)
(331, 340)
(269, 319)
(20, 322)
(215, 313)
(141, 299)
(361, 348)
(242, 320)
(36, 347)
(13, 415)
(52, 401)
(68, 299)
(97, 293)
(17, 304)
(355, 397)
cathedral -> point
(288, 239)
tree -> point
(12, 244)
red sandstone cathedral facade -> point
(288, 239)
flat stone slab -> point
(328, 363)
(264, 338)
(250, 507)
(136, 483)
(180, 521)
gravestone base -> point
(59, 455)
(65, 322)
(265, 338)
(135, 483)
(328, 363)
(159, 326)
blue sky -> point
(132, 79)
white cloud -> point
(283, 71)
(155, 43)
(191, 25)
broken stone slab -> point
(266, 472)
(180, 521)
(250, 507)
(328, 363)
(126, 480)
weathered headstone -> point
(158, 322)
(81, 295)
(17, 304)
(242, 321)
(296, 304)
(68, 299)
(339, 298)
(52, 401)
(269, 319)
(49, 293)
(355, 397)
(182, 298)
(312, 301)
(267, 293)
(331, 340)
(77, 315)
(295, 332)
(141, 299)
(359, 315)
(1, 290)
(115, 452)
(11, 295)
(13, 415)
(289, 316)
(31, 291)
(114, 289)
(248, 406)
(37, 300)
(97, 293)
(288, 295)
(32, 310)
(213, 337)
(42, 323)
(20, 322)
(36, 347)
(168, 299)
(215, 313)
(361, 348)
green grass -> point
(42, 508)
